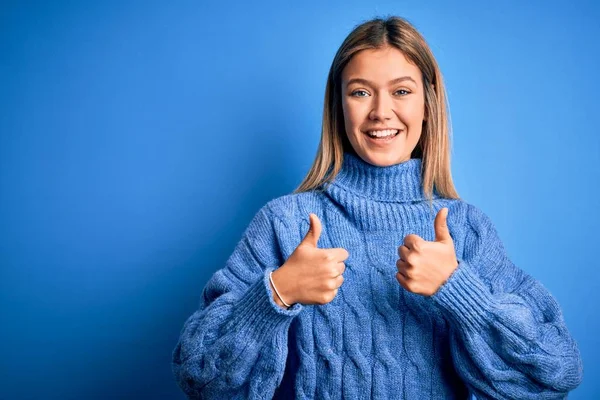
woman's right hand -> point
(310, 275)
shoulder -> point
(468, 215)
(472, 228)
(287, 213)
(295, 206)
(285, 219)
(478, 240)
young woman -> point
(374, 279)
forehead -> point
(380, 66)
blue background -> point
(138, 139)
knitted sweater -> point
(490, 330)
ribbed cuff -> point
(258, 313)
(465, 298)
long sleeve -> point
(508, 337)
(235, 345)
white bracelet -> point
(276, 292)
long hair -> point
(433, 146)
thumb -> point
(314, 231)
(441, 226)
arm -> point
(235, 344)
(508, 336)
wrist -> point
(278, 287)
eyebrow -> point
(392, 82)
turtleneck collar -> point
(397, 183)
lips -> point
(382, 132)
(381, 140)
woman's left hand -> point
(424, 266)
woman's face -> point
(382, 90)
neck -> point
(379, 198)
(395, 183)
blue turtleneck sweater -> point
(490, 330)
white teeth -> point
(387, 132)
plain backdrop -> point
(138, 139)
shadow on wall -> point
(257, 176)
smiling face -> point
(382, 95)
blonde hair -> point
(434, 144)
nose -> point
(382, 108)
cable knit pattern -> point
(490, 330)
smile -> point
(382, 133)
(381, 137)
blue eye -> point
(357, 91)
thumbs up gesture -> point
(311, 275)
(424, 266)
